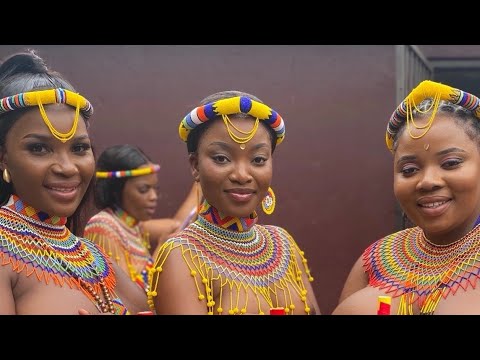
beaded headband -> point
(128, 173)
(231, 106)
(427, 89)
(45, 97)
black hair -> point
(24, 72)
(196, 133)
(108, 192)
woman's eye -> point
(37, 148)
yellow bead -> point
(193, 273)
(304, 298)
(220, 310)
(304, 261)
(204, 280)
(307, 309)
(304, 292)
(154, 293)
(299, 272)
(210, 313)
(299, 278)
(201, 297)
(310, 278)
(210, 297)
(261, 313)
(243, 311)
(302, 252)
(230, 312)
(292, 307)
(287, 310)
(235, 310)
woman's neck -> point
(128, 219)
(212, 215)
(18, 205)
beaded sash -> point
(121, 237)
(405, 264)
(261, 259)
(34, 243)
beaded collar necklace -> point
(27, 235)
(406, 264)
(231, 254)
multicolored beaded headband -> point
(231, 106)
(128, 173)
(427, 89)
(45, 97)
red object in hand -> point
(145, 313)
(277, 311)
(383, 306)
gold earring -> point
(268, 202)
(6, 176)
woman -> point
(47, 165)
(224, 262)
(126, 193)
(434, 136)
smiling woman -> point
(47, 165)
(224, 262)
(434, 136)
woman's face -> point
(437, 179)
(139, 195)
(47, 174)
(233, 180)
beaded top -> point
(119, 234)
(406, 264)
(29, 237)
(260, 258)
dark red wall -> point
(332, 174)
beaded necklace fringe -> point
(121, 237)
(408, 266)
(261, 260)
(30, 243)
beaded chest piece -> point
(119, 235)
(406, 264)
(29, 238)
(237, 256)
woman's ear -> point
(193, 160)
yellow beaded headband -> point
(128, 173)
(231, 106)
(427, 89)
(45, 97)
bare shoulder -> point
(176, 283)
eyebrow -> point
(48, 137)
(442, 152)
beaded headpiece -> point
(128, 173)
(45, 97)
(231, 106)
(427, 89)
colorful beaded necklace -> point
(406, 264)
(237, 255)
(30, 237)
(112, 227)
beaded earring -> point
(6, 176)
(268, 202)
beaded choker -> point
(405, 264)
